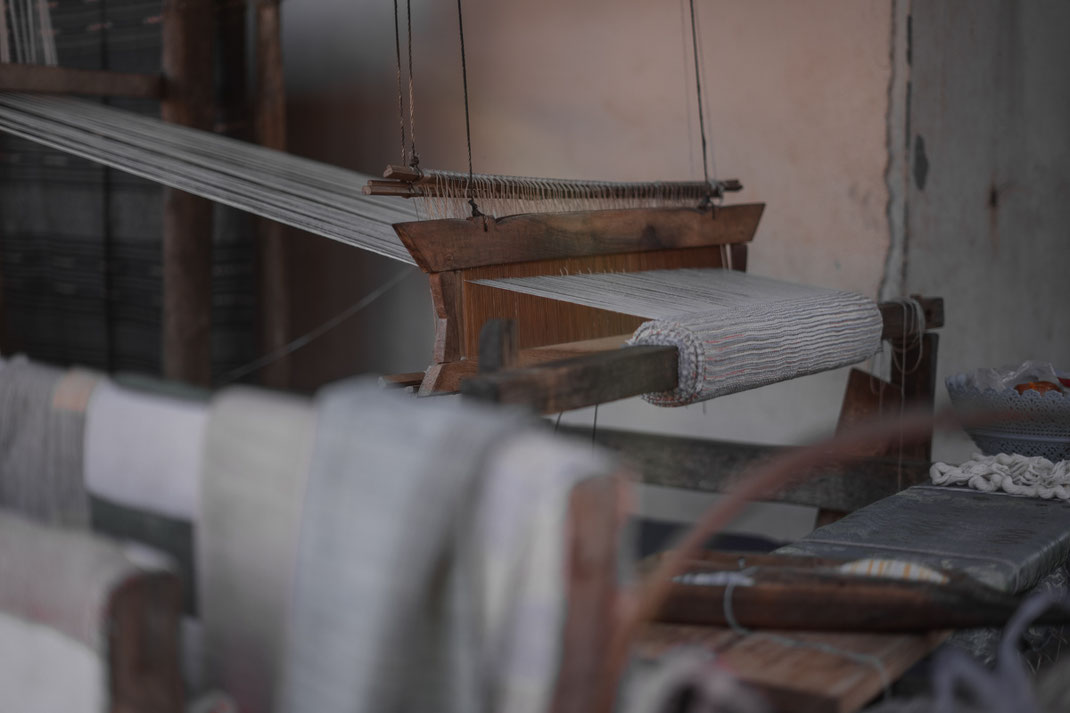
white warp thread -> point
(312, 196)
(1015, 474)
(734, 331)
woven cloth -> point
(430, 574)
(733, 331)
(1006, 542)
(1010, 473)
(42, 421)
(255, 465)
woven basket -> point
(1044, 429)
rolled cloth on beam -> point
(733, 331)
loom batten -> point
(461, 243)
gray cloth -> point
(42, 420)
(387, 539)
(1004, 541)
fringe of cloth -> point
(1010, 473)
(734, 331)
(42, 424)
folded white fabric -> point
(144, 450)
(255, 467)
(431, 566)
(1008, 472)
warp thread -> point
(312, 196)
(26, 34)
(1011, 473)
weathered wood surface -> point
(798, 671)
(401, 381)
(187, 223)
(447, 377)
(581, 381)
(88, 82)
(718, 466)
(595, 520)
(456, 243)
(814, 595)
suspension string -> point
(467, 120)
(701, 116)
(414, 158)
(401, 98)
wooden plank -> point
(542, 321)
(187, 224)
(719, 466)
(582, 381)
(915, 370)
(595, 519)
(797, 671)
(804, 672)
(270, 126)
(89, 82)
(453, 244)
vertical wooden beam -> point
(187, 226)
(270, 112)
(915, 371)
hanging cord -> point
(401, 96)
(414, 158)
(713, 192)
(315, 333)
(467, 121)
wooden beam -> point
(497, 346)
(719, 466)
(187, 224)
(89, 82)
(270, 113)
(454, 244)
(583, 381)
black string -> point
(698, 92)
(401, 99)
(414, 159)
(467, 121)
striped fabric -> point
(734, 331)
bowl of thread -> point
(1038, 396)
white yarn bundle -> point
(1010, 473)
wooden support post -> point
(914, 370)
(497, 346)
(187, 226)
(270, 117)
